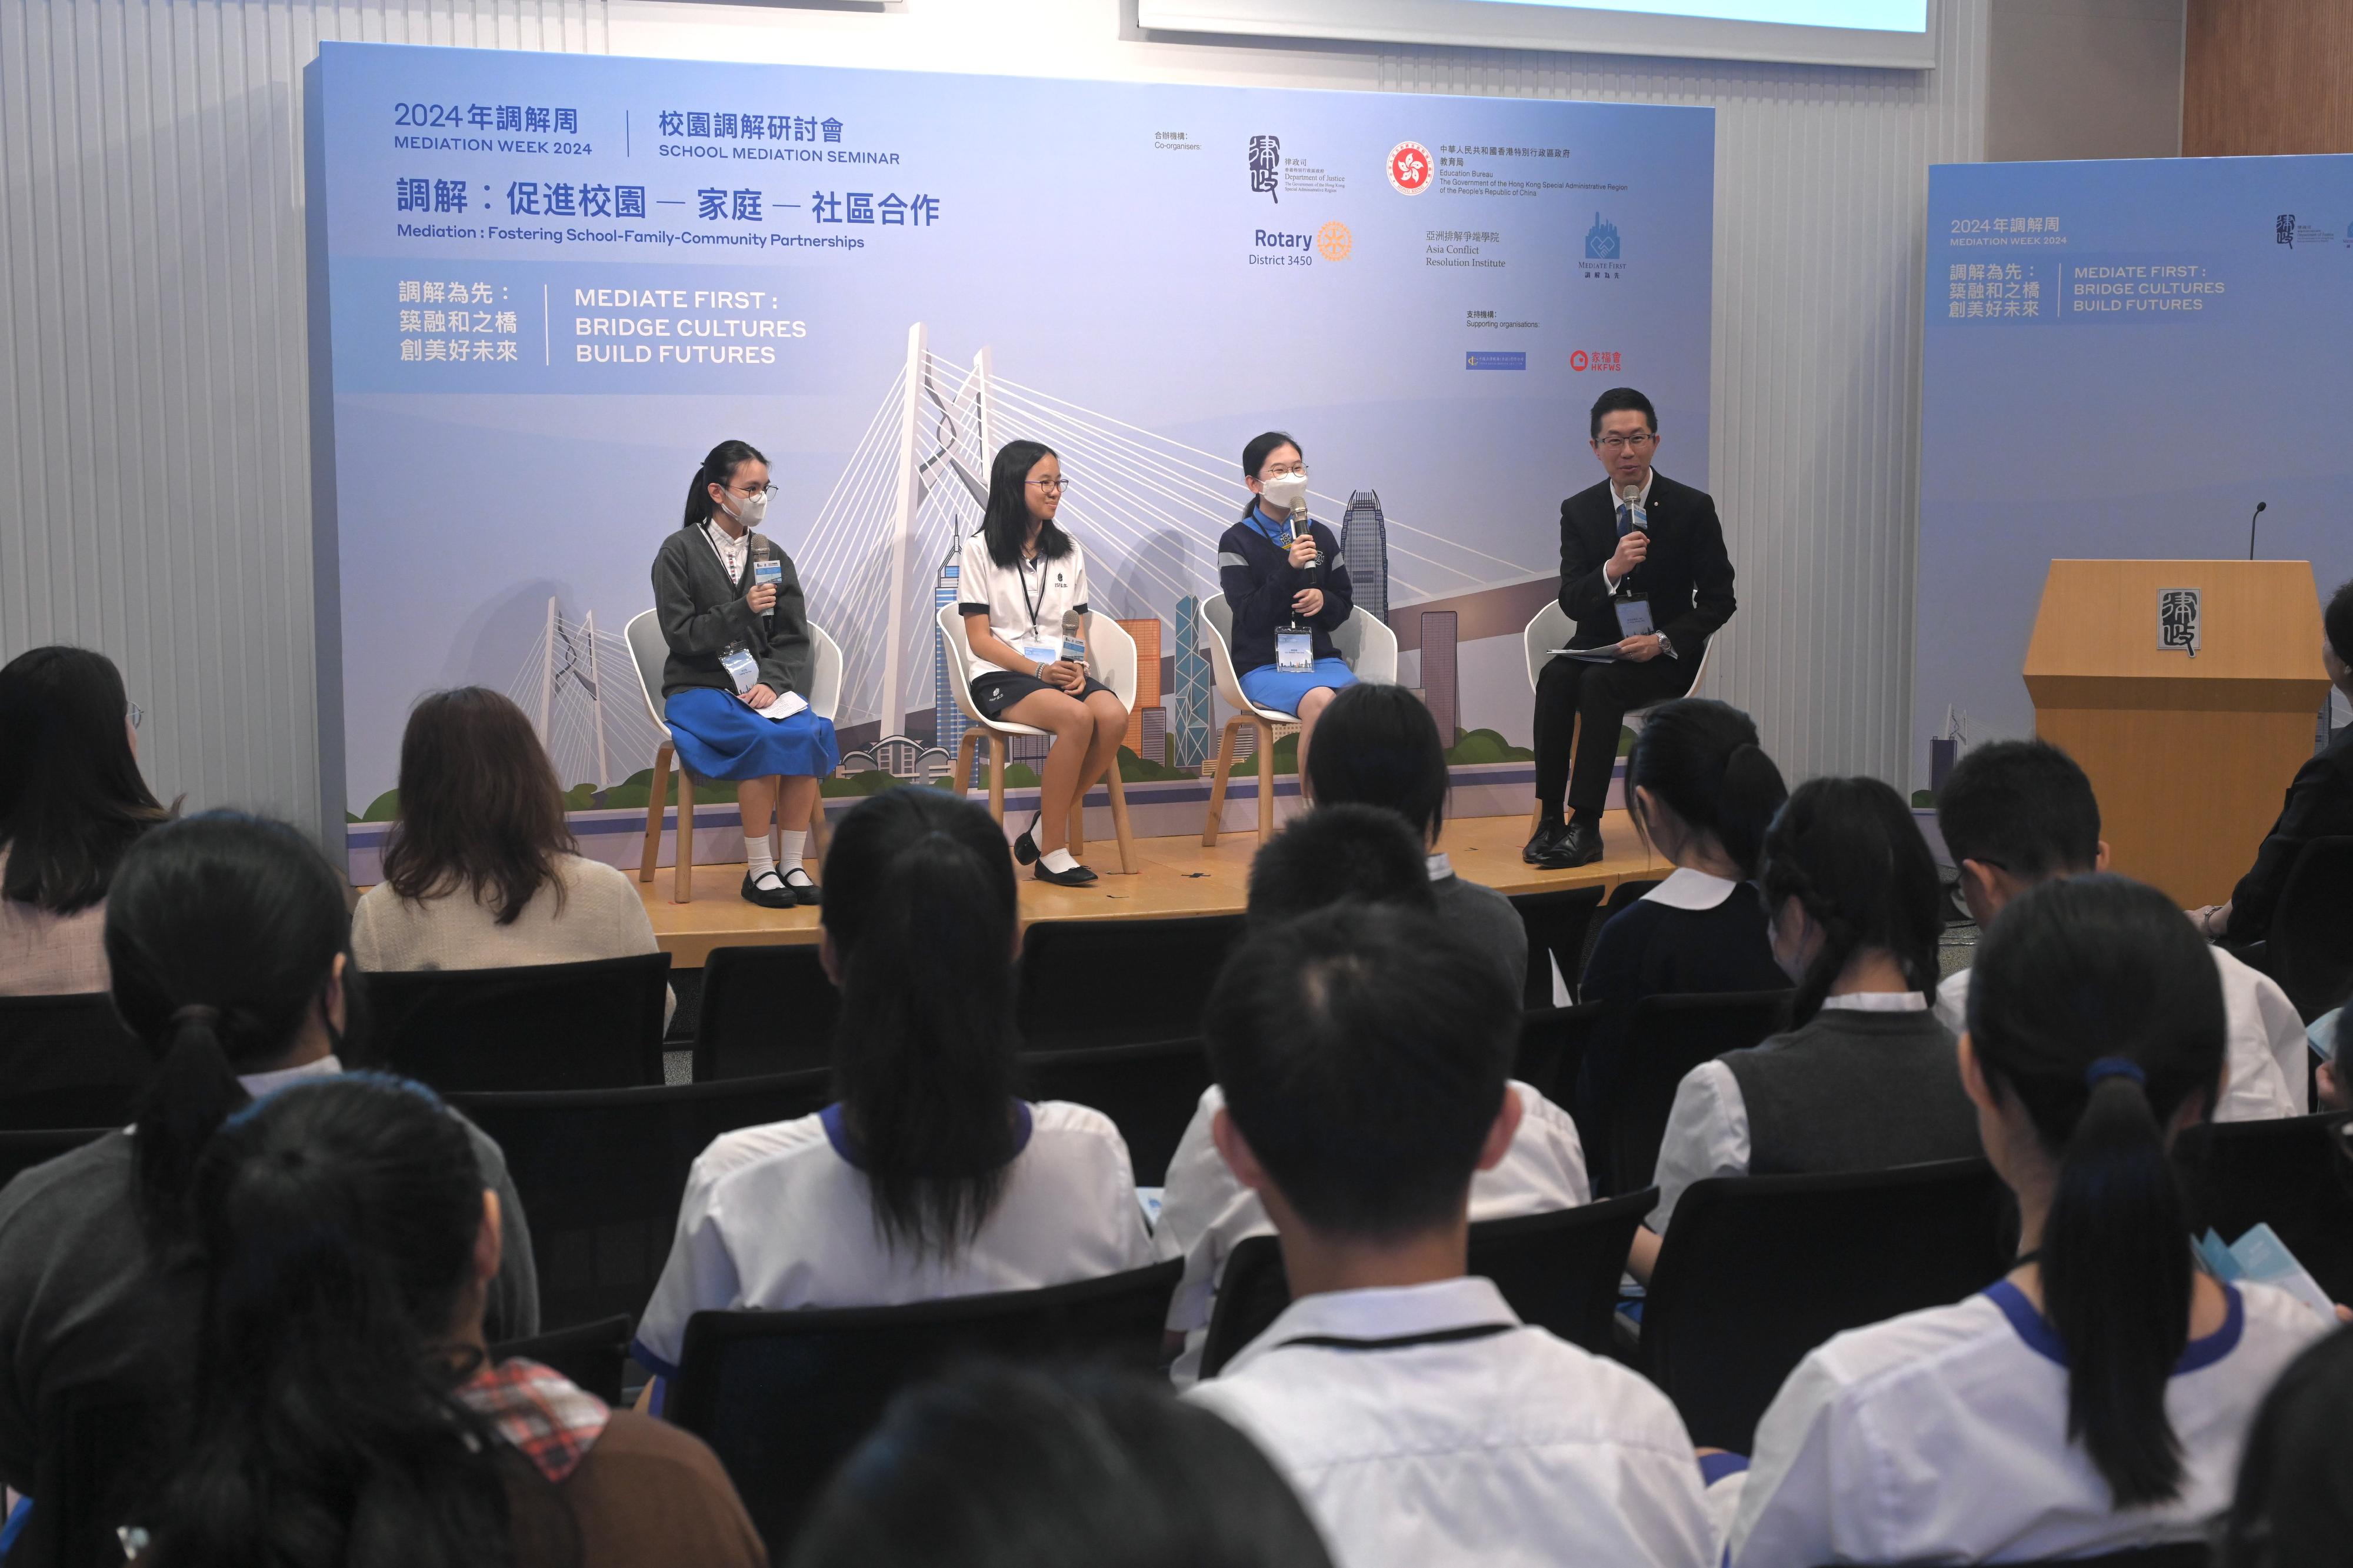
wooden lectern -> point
(2190, 752)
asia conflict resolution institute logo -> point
(1411, 168)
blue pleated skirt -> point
(719, 738)
(1270, 688)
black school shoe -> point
(781, 897)
(1076, 876)
(1025, 849)
(806, 893)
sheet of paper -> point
(1589, 654)
(784, 707)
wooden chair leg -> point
(1218, 779)
(1265, 779)
(657, 798)
(966, 750)
(681, 865)
(996, 748)
(1119, 819)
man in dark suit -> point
(1665, 549)
(2319, 803)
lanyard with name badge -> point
(1294, 645)
(1035, 649)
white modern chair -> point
(1114, 664)
(1551, 629)
(650, 649)
(1364, 642)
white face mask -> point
(1284, 491)
(749, 509)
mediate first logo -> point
(1411, 168)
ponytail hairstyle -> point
(718, 469)
(71, 798)
(1702, 758)
(922, 912)
(222, 931)
(334, 1225)
(1006, 521)
(1848, 852)
(2096, 1007)
(1255, 455)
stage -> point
(1175, 876)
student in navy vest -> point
(1671, 561)
(1281, 588)
(739, 656)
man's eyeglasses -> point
(1613, 442)
(1062, 484)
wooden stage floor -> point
(1174, 876)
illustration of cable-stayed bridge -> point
(1147, 508)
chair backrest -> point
(592, 1355)
(824, 672)
(1757, 1271)
(1114, 649)
(68, 1061)
(1558, 1270)
(1119, 982)
(1369, 649)
(2289, 1174)
(1218, 634)
(1150, 1091)
(596, 1024)
(959, 645)
(649, 650)
(1552, 1047)
(1549, 628)
(2311, 929)
(764, 1010)
(783, 1397)
(600, 1172)
(1666, 1037)
(20, 1152)
(1557, 922)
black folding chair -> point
(1623, 895)
(764, 1010)
(1150, 1091)
(2290, 1173)
(1756, 1271)
(20, 1152)
(783, 1397)
(1558, 1270)
(591, 1355)
(68, 1061)
(545, 1026)
(1558, 923)
(1119, 982)
(2311, 941)
(1552, 1047)
(91, 1474)
(1666, 1037)
(600, 1172)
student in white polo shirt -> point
(1364, 1055)
(2017, 813)
(928, 1178)
(2097, 1398)
(1337, 854)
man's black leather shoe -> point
(1543, 842)
(1580, 845)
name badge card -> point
(1295, 652)
(1038, 652)
(742, 669)
(1634, 617)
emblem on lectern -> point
(2178, 622)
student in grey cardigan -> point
(1377, 745)
(230, 948)
(1866, 1078)
(736, 686)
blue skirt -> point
(719, 738)
(1269, 686)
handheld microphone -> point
(765, 568)
(1074, 645)
(1300, 529)
(2251, 527)
(1632, 499)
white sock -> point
(791, 849)
(757, 861)
(1058, 861)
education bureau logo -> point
(1411, 168)
(1266, 166)
(1604, 261)
(1333, 242)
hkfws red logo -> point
(1411, 168)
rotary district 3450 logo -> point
(1411, 168)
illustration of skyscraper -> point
(1437, 682)
(1193, 685)
(1365, 550)
(947, 718)
(1146, 633)
(1153, 724)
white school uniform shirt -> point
(1420, 1441)
(1053, 587)
(2266, 1048)
(1941, 1436)
(780, 1217)
(1707, 1126)
(1205, 1213)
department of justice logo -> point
(1411, 168)
(2283, 231)
(1266, 166)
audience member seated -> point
(1866, 1076)
(71, 802)
(2319, 804)
(1364, 1055)
(2097, 1398)
(2295, 1502)
(2016, 812)
(480, 871)
(927, 1178)
(345, 1410)
(229, 945)
(1353, 855)
(996, 1467)
(1702, 792)
(1377, 745)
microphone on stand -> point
(2251, 527)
